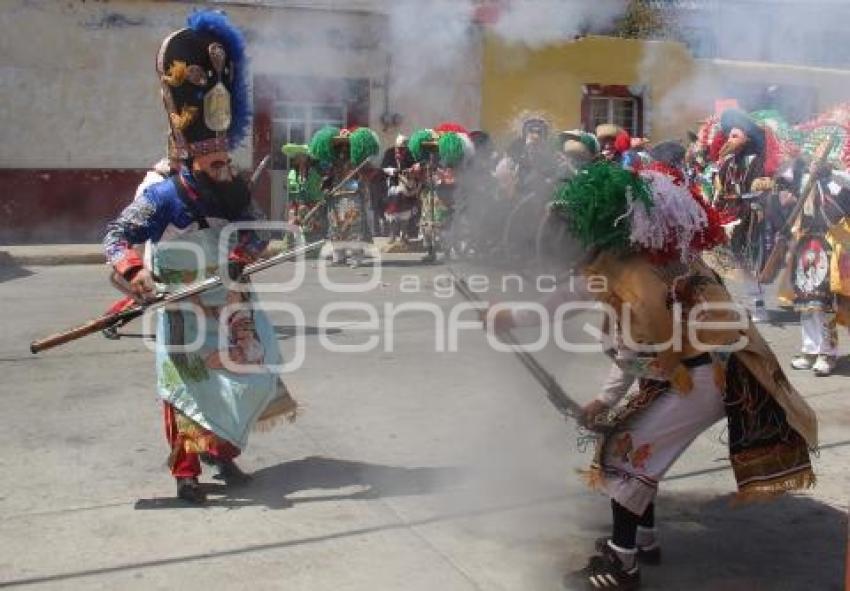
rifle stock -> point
(774, 262)
(86, 329)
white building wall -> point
(79, 88)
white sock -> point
(647, 537)
(627, 556)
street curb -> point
(50, 255)
(41, 257)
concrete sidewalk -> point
(51, 254)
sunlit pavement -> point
(410, 468)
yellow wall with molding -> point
(680, 90)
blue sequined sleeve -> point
(144, 219)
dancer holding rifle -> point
(345, 156)
(639, 238)
(816, 280)
(213, 359)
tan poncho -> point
(633, 282)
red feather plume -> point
(717, 143)
(623, 142)
(451, 127)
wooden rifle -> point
(122, 317)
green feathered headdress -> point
(596, 203)
(784, 131)
(417, 138)
(321, 144)
(590, 142)
(364, 145)
(451, 149)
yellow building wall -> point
(679, 90)
(517, 78)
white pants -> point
(820, 336)
(642, 450)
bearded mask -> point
(742, 133)
(736, 143)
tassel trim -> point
(593, 477)
(283, 408)
(769, 489)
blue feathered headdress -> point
(215, 22)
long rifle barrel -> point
(557, 396)
(124, 316)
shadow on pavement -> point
(276, 487)
(842, 367)
(793, 543)
(10, 271)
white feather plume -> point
(675, 217)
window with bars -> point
(612, 104)
(619, 111)
(295, 123)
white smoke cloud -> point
(750, 34)
(434, 61)
(435, 47)
(537, 23)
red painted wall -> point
(62, 205)
(74, 205)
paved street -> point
(409, 468)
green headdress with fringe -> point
(784, 131)
(321, 144)
(451, 149)
(417, 138)
(364, 145)
(596, 203)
